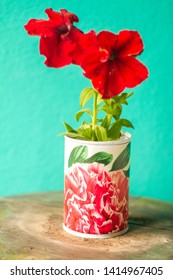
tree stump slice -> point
(31, 229)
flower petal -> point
(58, 53)
(107, 40)
(86, 47)
(40, 27)
(76, 35)
(91, 65)
(55, 16)
(63, 17)
(107, 80)
(132, 71)
(68, 16)
(129, 43)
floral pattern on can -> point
(96, 201)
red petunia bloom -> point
(58, 36)
(110, 62)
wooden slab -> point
(31, 228)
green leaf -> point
(87, 133)
(122, 98)
(72, 135)
(130, 94)
(78, 154)
(100, 157)
(114, 131)
(100, 133)
(99, 99)
(114, 99)
(117, 111)
(107, 109)
(69, 128)
(99, 120)
(85, 96)
(114, 110)
(106, 122)
(127, 172)
(122, 160)
(126, 123)
(107, 102)
(81, 112)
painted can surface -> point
(96, 187)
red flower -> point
(58, 36)
(111, 64)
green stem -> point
(94, 118)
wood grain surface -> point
(31, 228)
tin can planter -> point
(96, 187)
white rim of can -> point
(88, 235)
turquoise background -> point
(35, 100)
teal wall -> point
(35, 100)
